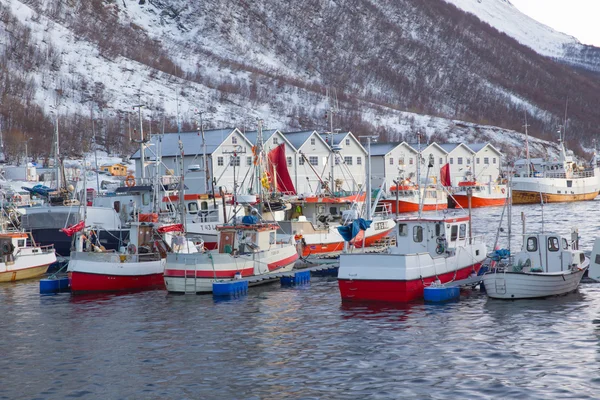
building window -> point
(234, 140)
(441, 160)
(477, 160)
(301, 160)
(391, 160)
(460, 160)
(347, 142)
(468, 161)
(220, 161)
(410, 161)
(494, 160)
(235, 161)
(249, 161)
(313, 160)
(337, 159)
(348, 160)
(486, 160)
(358, 160)
(275, 140)
(313, 141)
(451, 160)
(289, 161)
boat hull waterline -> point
(87, 277)
(531, 285)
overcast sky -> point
(577, 18)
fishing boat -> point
(313, 223)
(245, 250)
(547, 265)
(439, 249)
(21, 258)
(553, 180)
(482, 195)
(409, 196)
(137, 266)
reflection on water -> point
(299, 343)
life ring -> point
(503, 190)
(130, 181)
(131, 248)
(18, 198)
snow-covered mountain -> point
(394, 67)
(505, 17)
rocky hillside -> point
(389, 66)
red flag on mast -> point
(445, 175)
(284, 181)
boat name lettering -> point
(380, 225)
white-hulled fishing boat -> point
(547, 265)
(21, 258)
(245, 250)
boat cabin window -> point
(117, 206)
(204, 205)
(565, 244)
(462, 231)
(418, 234)
(272, 238)
(532, 244)
(333, 210)
(454, 233)
(402, 230)
(21, 243)
(193, 207)
(553, 244)
(321, 209)
(438, 229)
(145, 198)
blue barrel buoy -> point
(230, 288)
(54, 285)
(439, 294)
(298, 278)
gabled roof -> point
(266, 135)
(434, 144)
(299, 138)
(338, 138)
(449, 147)
(381, 149)
(192, 143)
(477, 147)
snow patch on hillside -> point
(505, 17)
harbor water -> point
(304, 343)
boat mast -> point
(142, 143)
(257, 159)
(419, 174)
(527, 147)
(368, 177)
(181, 186)
(57, 153)
(95, 143)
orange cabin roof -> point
(188, 197)
(336, 200)
(14, 235)
(254, 227)
(467, 183)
